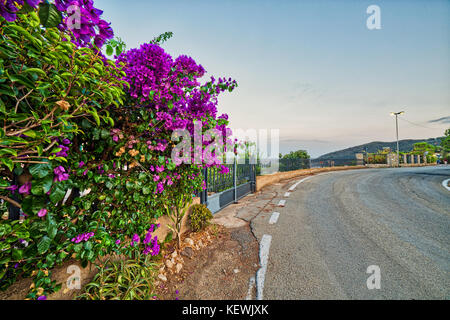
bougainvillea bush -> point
(85, 142)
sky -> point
(311, 69)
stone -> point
(162, 277)
(178, 267)
(169, 264)
(236, 271)
(174, 254)
(187, 252)
(189, 241)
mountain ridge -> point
(405, 145)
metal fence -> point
(323, 163)
(224, 189)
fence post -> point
(204, 193)
(234, 180)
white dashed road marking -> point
(282, 203)
(287, 194)
(264, 247)
(274, 218)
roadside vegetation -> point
(75, 121)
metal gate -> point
(224, 189)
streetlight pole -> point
(396, 114)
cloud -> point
(441, 120)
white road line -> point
(282, 203)
(274, 218)
(264, 247)
(445, 184)
(298, 182)
(287, 194)
(250, 288)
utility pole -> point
(396, 114)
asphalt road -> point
(334, 226)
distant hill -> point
(404, 145)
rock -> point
(174, 254)
(162, 277)
(187, 252)
(178, 267)
(169, 264)
(161, 270)
(236, 271)
(189, 241)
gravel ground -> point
(337, 224)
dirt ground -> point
(219, 270)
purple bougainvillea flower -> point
(25, 189)
(42, 213)
(135, 239)
(60, 174)
(12, 188)
(81, 164)
(118, 241)
(66, 141)
(42, 298)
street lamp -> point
(396, 114)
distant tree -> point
(422, 147)
(445, 144)
(299, 154)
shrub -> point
(74, 120)
(199, 217)
(122, 280)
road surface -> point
(334, 226)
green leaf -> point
(44, 244)
(22, 80)
(57, 194)
(49, 15)
(109, 50)
(8, 163)
(8, 151)
(35, 70)
(146, 190)
(4, 229)
(40, 187)
(30, 133)
(17, 254)
(40, 170)
(52, 228)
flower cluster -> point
(60, 174)
(151, 243)
(82, 237)
(9, 8)
(64, 148)
(90, 22)
(171, 90)
(89, 25)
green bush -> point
(199, 217)
(122, 280)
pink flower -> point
(42, 213)
(25, 189)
